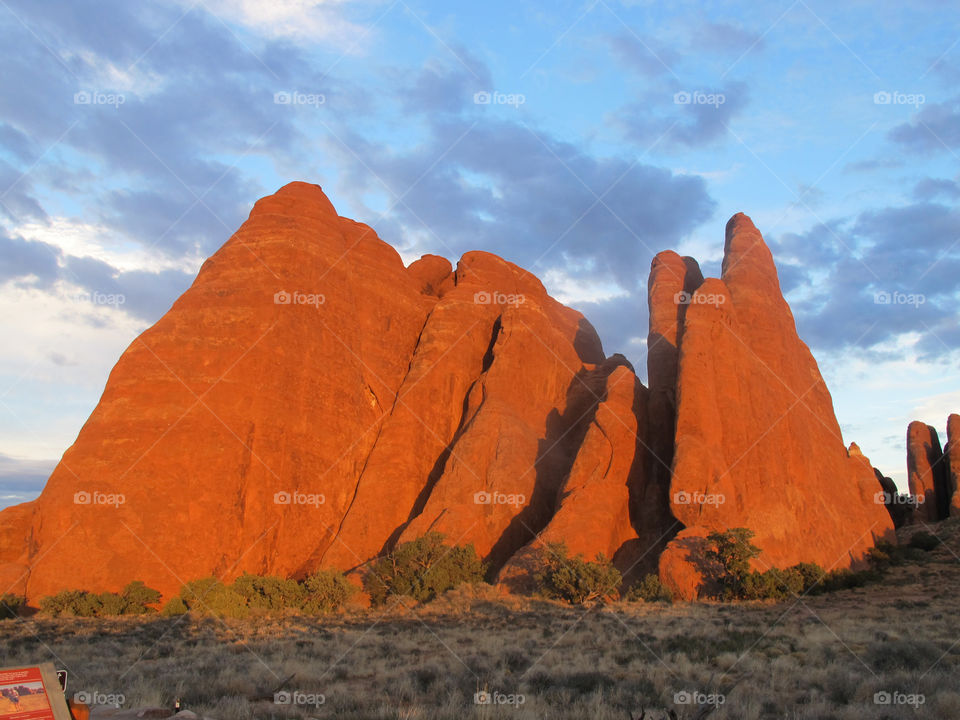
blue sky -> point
(135, 137)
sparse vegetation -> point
(650, 589)
(575, 579)
(422, 569)
(824, 658)
(10, 605)
(135, 599)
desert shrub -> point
(175, 606)
(924, 540)
(10, 605)
(134, 599)
(209, 596)
(325, 591)
(138, 599)
(845, 579)
(267, 592)
(731, 552)
(422, 569)
(576, 579)
(77, 603)
(650, 589)
(811, 575)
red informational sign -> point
(30, 693)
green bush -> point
(731, 552)
(924, 540)
(209, 596)
(576, 579)
(70, 603)
(134, 599)
(266, 592)
(175, 606)
(138, 599)
(325, 591)
(10, 606)
(422, 569)
(650, 589)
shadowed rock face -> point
(310, 402)
(757, 441)
(927, 472)
(952, 451)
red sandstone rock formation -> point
(757, 442)
(304, 403)
(952, 451)
(927, 472)
(309, 402)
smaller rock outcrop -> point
(927, 472)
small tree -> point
(422, 569)
(732, 551)
(138, 599)
(10, 605)
(576, 579)
(325, 591)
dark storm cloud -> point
(540, 202)
(889, 271)
(931, 188)
(21, 259)
(936, 127)
(682, 118)
(146, 295)
(725, 38)
(22, 480)
(440, 88)
(198, 96)
(642, 55)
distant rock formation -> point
(757, 442)
(927, 472)
(952, 451)
(310, 402)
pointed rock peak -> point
(854, 450)
(296, 199)
(747, 260)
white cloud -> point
(83, 239)
(304, 21)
